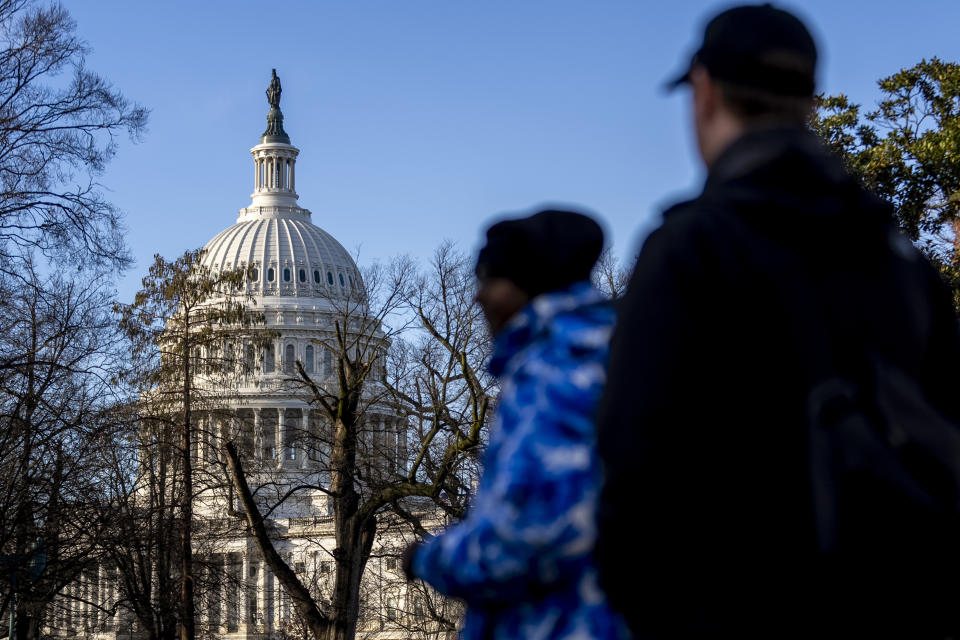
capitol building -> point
(298, 279)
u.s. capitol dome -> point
(303, 282)
(287, 255)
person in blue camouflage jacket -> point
(522, 558)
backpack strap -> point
(879, 432)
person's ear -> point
(705, 95)
(707, 114)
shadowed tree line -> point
(60, 245)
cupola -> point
(274, 159)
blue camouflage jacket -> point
(522, 558)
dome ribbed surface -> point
(307, 251)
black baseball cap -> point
(760, 47)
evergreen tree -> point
(906, 151)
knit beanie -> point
(543, 252)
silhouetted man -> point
(706, 525)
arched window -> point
(351, 281)
(286, 275)
(308, 359)
(270, 274)
(268, 359)
(303, 275)
(327, 363)
(288, 358)
(341, 279)
(254, 275)
(316, 276)
(329, 278)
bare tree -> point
(176, 325)
(58, 122)
(58, 128)
(57, 340)
(412, 608)
(408, 345)
(141, 547)
(610, 276)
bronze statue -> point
(274, 132)
(274, 91)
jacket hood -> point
(583, 323)
(787, 183)
(790, 167)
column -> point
(281, 454)
(293, 181)
(202, 609)
(283, 600)
(224, 590)
(101, 599)
(308, 438)
(257, 435)
(84, 600)
(113, 620)
(60, 613)
(276, 619)
(197, 441)
(256, 172)
(263, 606)
(243, 624)
(68, 604)
(402, 452)
(208, 436)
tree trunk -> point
(316, 621)
(354, 543)
(27, 627)
(187, 627)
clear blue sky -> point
(422, 120)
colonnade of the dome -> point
(292, 436)
(274, 169)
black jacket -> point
(705, 519)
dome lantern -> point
(288, 256)
(274, 159)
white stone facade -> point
(297, 273)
